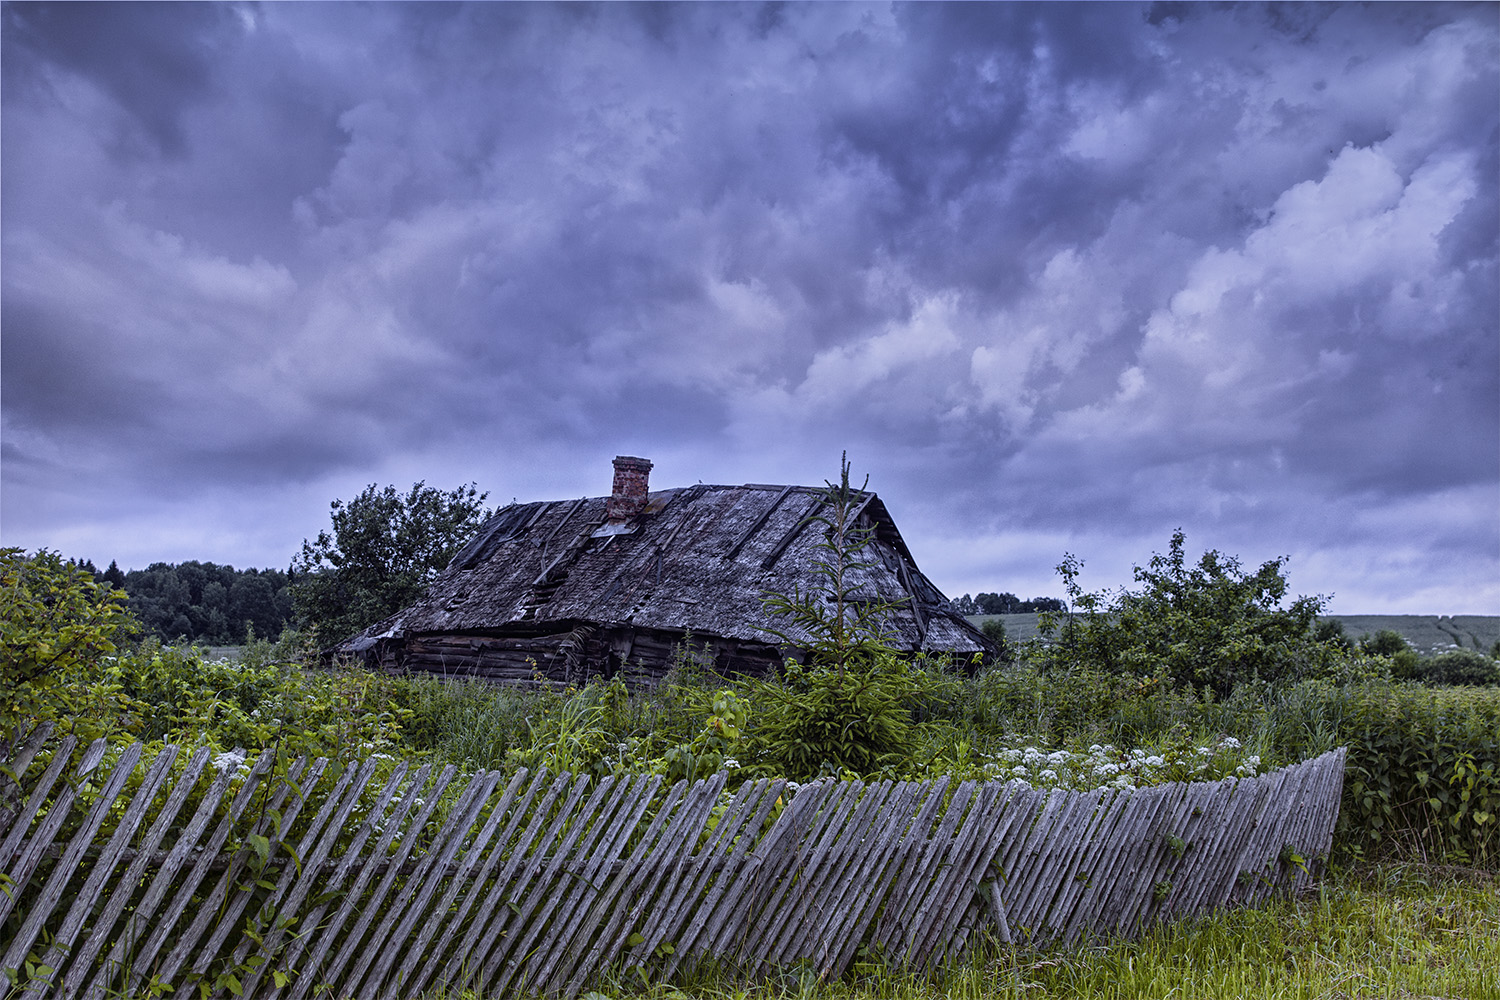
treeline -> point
(202, 601)
(1005, 604)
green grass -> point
(1426, 633)
(1018, 628)
(1400, 932)
(1429, 633)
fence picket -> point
(389, 824)
(85, 898)
(542, 884)
(23, 857)
(52, 889)
(472, 858)
(288, 896)
(82, 959)
(720, 917)
(371, 948)
(515, 812)
(633, 805)
(634, 884)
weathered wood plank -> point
(103, 867)
(542, 884)
(21, 857)
(312, 971)
(479, 857)
(62, 873)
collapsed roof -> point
(690, 562)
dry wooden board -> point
(545, 882)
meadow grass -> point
(1395, 932)
(1426, 633)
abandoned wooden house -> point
(570, 589)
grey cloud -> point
(1052, 269)
(153, 59)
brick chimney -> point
(629, 495)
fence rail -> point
(376, 879)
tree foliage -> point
(54, 617)
(1005, 604)
(847, 629)
(849, 707)
(384, 549)
(201, 601)
(1210, 625)
(1458, 667)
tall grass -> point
(1395, 931)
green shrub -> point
(1457, 667)
(1209, 626)
(1331, 631)
(816, 719)
(994, 630)
(1386, 642)
(1423, 774)
(55, 621)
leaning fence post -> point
(997, 910)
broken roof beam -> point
(559, 526)
(796, 529)
(756, 525)
(904, 573)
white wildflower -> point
(233, 760)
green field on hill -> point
(1425, 633)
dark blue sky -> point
(1061, 277)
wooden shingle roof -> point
(698, 559)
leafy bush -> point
(55, 621)
(1459, 666)
(1393, 647)
(994, 630)
(163, 694)
(1210, 626)
(1386, 642)
(816, 719)
(1423, 773)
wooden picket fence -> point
(377, 879)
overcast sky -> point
(1060, 278)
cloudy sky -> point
(1059, 278)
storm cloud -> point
(1059, 277)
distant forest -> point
(1005, 604)
(203, 602)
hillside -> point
(1426, 633)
